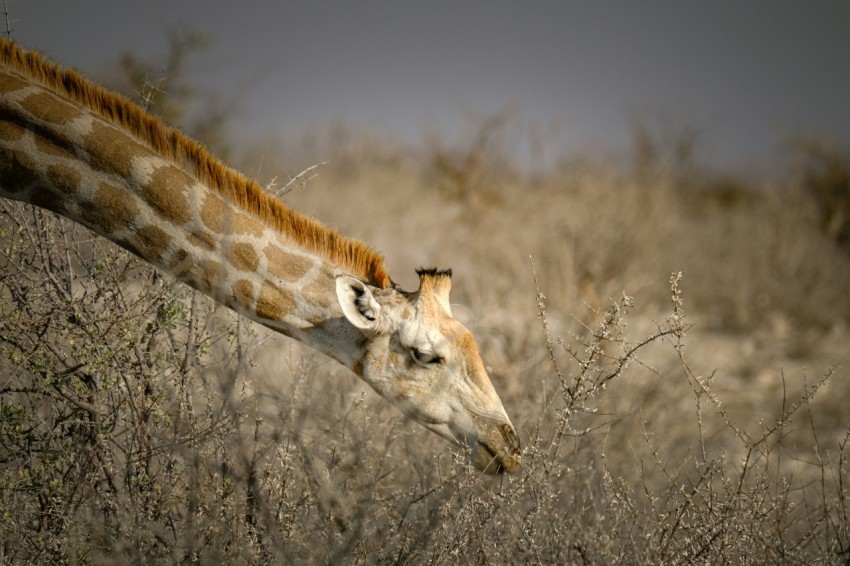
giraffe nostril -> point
(511, 437)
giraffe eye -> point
(423, 358)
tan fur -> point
(190, 155)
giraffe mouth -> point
(487, 456)
(497, 457)
(494, 449)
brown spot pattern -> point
(212, 211)
(11, 83)
(179, 261)
(116, 203)
(223, 220)
(202, 239)
(208, 276)
(148, 242)
(64, 177)
(17, 171)
(10, 131)
(285, 265)
(112, 150)
(166, 192)
(243, 257)
(94, 217)
(57, 147)
(320, 291)
(50, 108)
(239, 223)
(243, 293)
(274, 303)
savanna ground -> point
(671, 343)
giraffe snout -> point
(511, 438)
(499, 453)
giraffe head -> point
(416, 355)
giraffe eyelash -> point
(424, 359)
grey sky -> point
(747, 74)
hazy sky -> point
(748, 75)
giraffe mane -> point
(245, 193)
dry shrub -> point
(139, 424)
(824, 171)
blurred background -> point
(743, 79)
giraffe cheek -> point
(377, 367)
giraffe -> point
(74, 148)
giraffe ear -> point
(357, 302)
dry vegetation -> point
(700, 419)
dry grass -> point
(139, 422)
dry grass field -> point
(665, 418)
(672, 346)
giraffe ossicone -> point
(81, 151)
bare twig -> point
(298, 181)
(8, 19)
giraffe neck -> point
(63, 152)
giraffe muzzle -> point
(499, 452)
